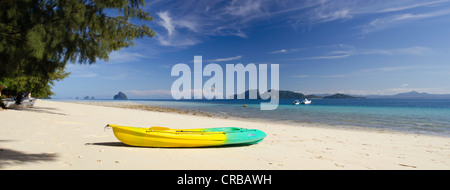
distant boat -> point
(304, 101)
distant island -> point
(89, 98)
(338, 95)
(120, 96)
(286, 94)
(291, 95)
(411, 95)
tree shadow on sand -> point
(13, 157)
(46, 110)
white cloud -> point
(391, 21)
(280, 51)
(285, 51)
(124, 57)
(415, 50)
(200, 19)
(166, 22)
(225, 59)
(343, 51)
(176, 42)
(197, 20)
(332, 15)
(410, 6)
(329, 11)
(243, 8)
(171, 25)
(148, 93)
(338, 51)
(325, 57)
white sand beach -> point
(70, 136)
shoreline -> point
(136, 106)
(68, 136)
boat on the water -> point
(304, 101)
(202, 137)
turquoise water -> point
(414, 116)
(411, 115)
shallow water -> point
(430, 116)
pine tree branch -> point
(53, 20)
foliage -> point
(38, 37)
(39, 86)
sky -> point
(338, 46)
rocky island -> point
(120, 96)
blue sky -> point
(354, 47)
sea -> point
(418, 116)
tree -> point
(39, 86)
(38, 37)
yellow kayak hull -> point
(165, 137)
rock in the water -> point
(120, 96)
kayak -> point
(205, 137)
(166, 137)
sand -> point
(69, 136)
